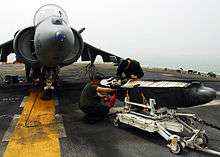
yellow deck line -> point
(36, 133)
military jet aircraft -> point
(50, 44)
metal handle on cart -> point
(150, 106)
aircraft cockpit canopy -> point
(50, 10)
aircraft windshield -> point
(50, 10)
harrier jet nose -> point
(60, 36)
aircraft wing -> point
(5, 49)
(90, 52)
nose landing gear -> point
(50, 76)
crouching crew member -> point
(131, 68)
(94, 102)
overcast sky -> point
(164, 33)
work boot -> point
(115, 110)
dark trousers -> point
(97, 110)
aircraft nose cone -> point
(206, 94)
(60, 36)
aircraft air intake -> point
(23, 45)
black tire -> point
(204, 139)
(178, 149)
(116, 122)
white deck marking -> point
(212, 103)
(36, 132)
(59, 119)
(24, 101)
(11, 128)
(61, 129)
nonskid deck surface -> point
(59, 127)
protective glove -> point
(111, 101)
(105, 98)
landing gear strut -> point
(50, 77)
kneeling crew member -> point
(92, 100)
(131, 68)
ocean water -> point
(200, 68)
(202, 64)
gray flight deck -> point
(102, 139)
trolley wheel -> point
(201, 140)
(176, 148)
(116, 122)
